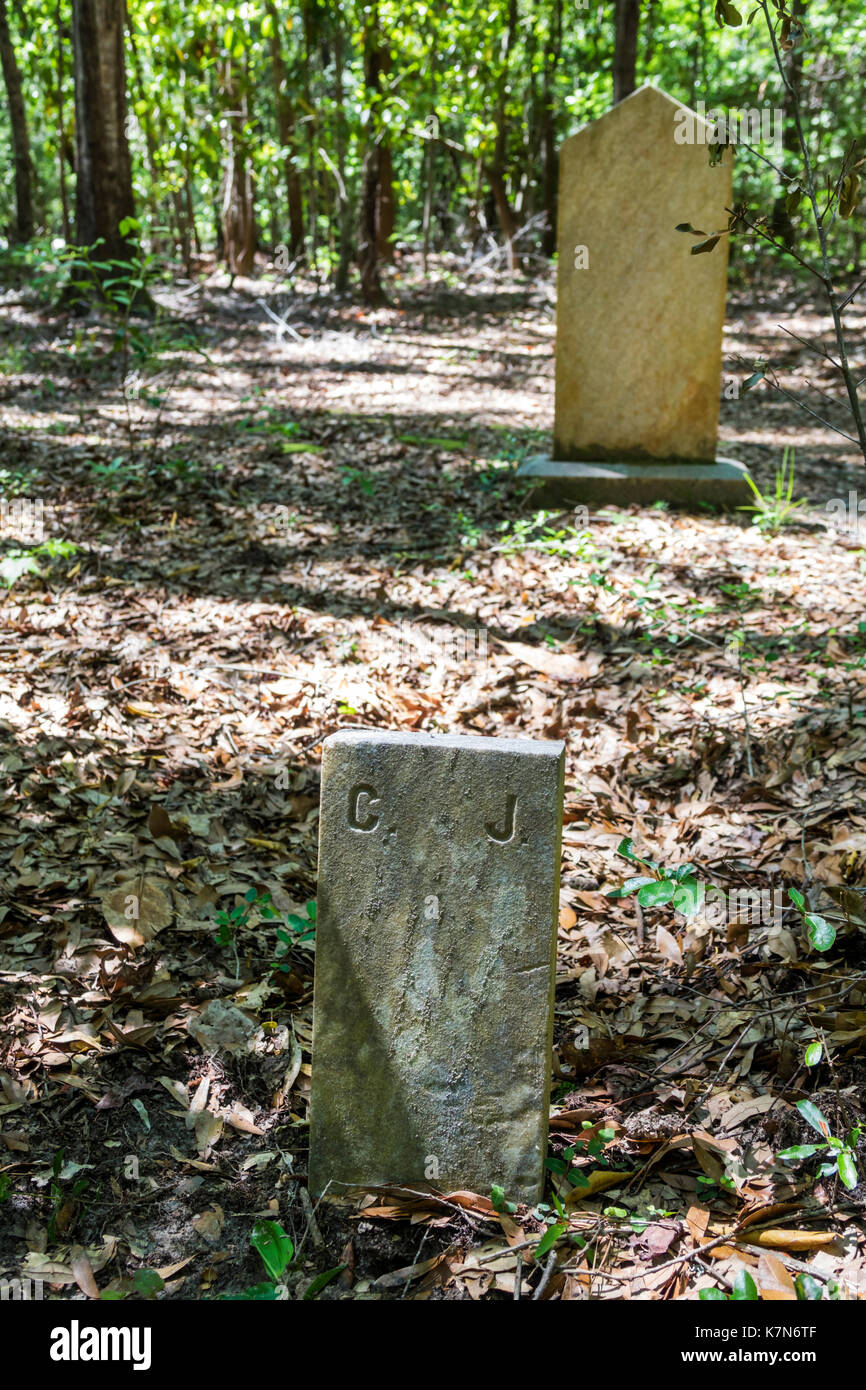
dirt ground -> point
(258, 532)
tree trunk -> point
(103, 187)
(286, 128)
(341, 280)
(780, 220)
(368, 255)
(237, 211)
(549, 166)
(62, 138)
(495, 170)
(385, 204)
(369, 200)
(625, 48)
(24, 222)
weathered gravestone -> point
(439, 861)
(639, 318)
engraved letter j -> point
(503, 836)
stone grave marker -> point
(439, 863)
(639, 318)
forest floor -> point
(256, 534)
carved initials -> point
(507, 833)
(362, 800)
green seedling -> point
(841, 1153)
(300, 931)
(660, 885)
(819, 931)
(772, 511)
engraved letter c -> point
(363, 818)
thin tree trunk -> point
(549, 168)
(385, 185)
(150, 139)
(780, 221)
(495, 170)
(368, 204)
(61, 129)
(237, 212)
(341, 281)
(625, 48)
(385, 203)
(286, 128)
(24, 220)
(368, 256)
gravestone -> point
(439, 861)
(639, 318)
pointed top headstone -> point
(639, 318)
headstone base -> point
(722, 483)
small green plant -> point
(276, 1251)
(713, 1187)
(533, 533)
(820, 932)
(744, 1290)
(300, 931)
(228, 924)
(18, 562)
(499, 1202)
(841, 1153)
(144, 1284)
(65, 1192)
(556, 1221)
(590, 1147)
(660, 885)
(357, 476)
(773, 511)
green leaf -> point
(812, 1115)
(274, 1246)
(800, 1151)
(713, 1296)
(814, 1053)
(745, 1288)
(820, 932)
(578, 1178)
(808, 1289)
(321, 1281)
(848, 1169)
(148, 1283)
(263, 1292)
(630, 886)
(689, 897)
(654, 894)
(701, 247)
(687, 227)
(797, 898)
(751, 381)
(550, 1237)
(553, 1165)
